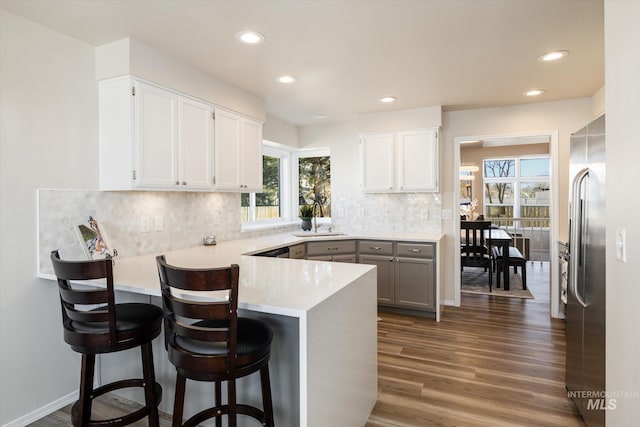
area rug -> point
(474, 281)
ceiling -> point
(347, 54)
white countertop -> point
(282, 286)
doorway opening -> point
(500, 181)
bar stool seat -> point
(108, 328)
(207, 341)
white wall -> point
(276, 130)
(48, 138)
(565, 116)
(622, 70)
(131, 56)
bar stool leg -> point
(231, 397)
(267, 404)
(86, 390)
(178, 403)
(218, 387)
(150, 397)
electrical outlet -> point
(145, 224)
(159, 223)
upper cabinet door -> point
(227, 150)
(238, 152)
(196, 144)
(377, 162)
(156, 136)
(251, 147)
(418, 160)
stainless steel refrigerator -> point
(585, 311)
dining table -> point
(499, 237)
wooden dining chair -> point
(207, 341)
(108, 328)
(474, 252)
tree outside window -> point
(314, 184)
(517, 187)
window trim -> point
(289, 186)
(301, 154)
(273, 149)
(516, 180)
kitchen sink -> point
(318, 234)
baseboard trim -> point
(43, 411)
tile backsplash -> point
(188, 216)
(387, 212)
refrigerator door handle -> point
(575, 237)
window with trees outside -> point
(291, 178)
(314, 181)
(517, 188)
(270, 204)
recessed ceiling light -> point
(287, 79)
(534, 92)
(553, 56)
(388, 99)
(320, 116)
(250, 37)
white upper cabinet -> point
(417, 160)
(238, 152)
(377, 152)
(153, 138)
(402, 161)
(195, 128)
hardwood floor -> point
(491, 362)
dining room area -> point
(504, 257)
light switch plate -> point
(621, 244)
(446, 213)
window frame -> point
(272, 149)
(301, 154)
(517, 180)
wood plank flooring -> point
(491, 362)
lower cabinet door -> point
(386, 276)
(415, 280)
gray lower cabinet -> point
(406, 272)
(386, 276)
(415, 283)
(415, 276)
(380, 254)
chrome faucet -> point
(315, 222)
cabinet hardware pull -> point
(184, 182)
(375, 248)
(415, 250)
(177, 182)
(332, 249)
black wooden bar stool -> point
(207, 341)
(108, 328)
